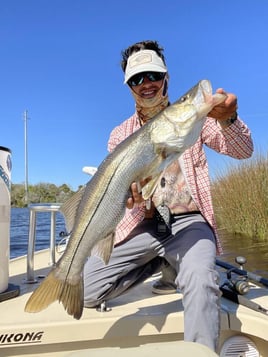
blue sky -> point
(60, 60)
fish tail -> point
(52, 289)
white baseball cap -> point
(144, 61)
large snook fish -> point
(94, 212)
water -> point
(256, 252)
(19, 230)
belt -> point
(153, 212)
(174, 215)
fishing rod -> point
(240, 271)
(242, 300)
(234, 288)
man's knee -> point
(91, 300)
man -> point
(184, 249)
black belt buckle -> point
(163, 218)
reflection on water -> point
(255, 251)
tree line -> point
(39, 193)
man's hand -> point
(225, 110)
(136, 193)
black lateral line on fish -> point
(96, 207)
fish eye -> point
(186, 96)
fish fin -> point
(52, 289)
(149, 188)
(69, 208)
(104, 248)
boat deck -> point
(138, 318)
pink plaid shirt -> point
(234, 141)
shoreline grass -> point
(240, 197)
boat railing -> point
(34, 210)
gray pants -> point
(190, 250)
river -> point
(256, 252)
(19, 230)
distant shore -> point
(40, 193)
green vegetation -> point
(240, 198)
(40, 193)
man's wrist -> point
(226, 123)
(233, 117)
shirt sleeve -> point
(234, 141)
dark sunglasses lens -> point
(155, 76)
(139, 78)
(136, 80)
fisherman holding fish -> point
(183, 243)
(148, 208)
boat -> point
(136, 323)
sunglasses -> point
(138, 79)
